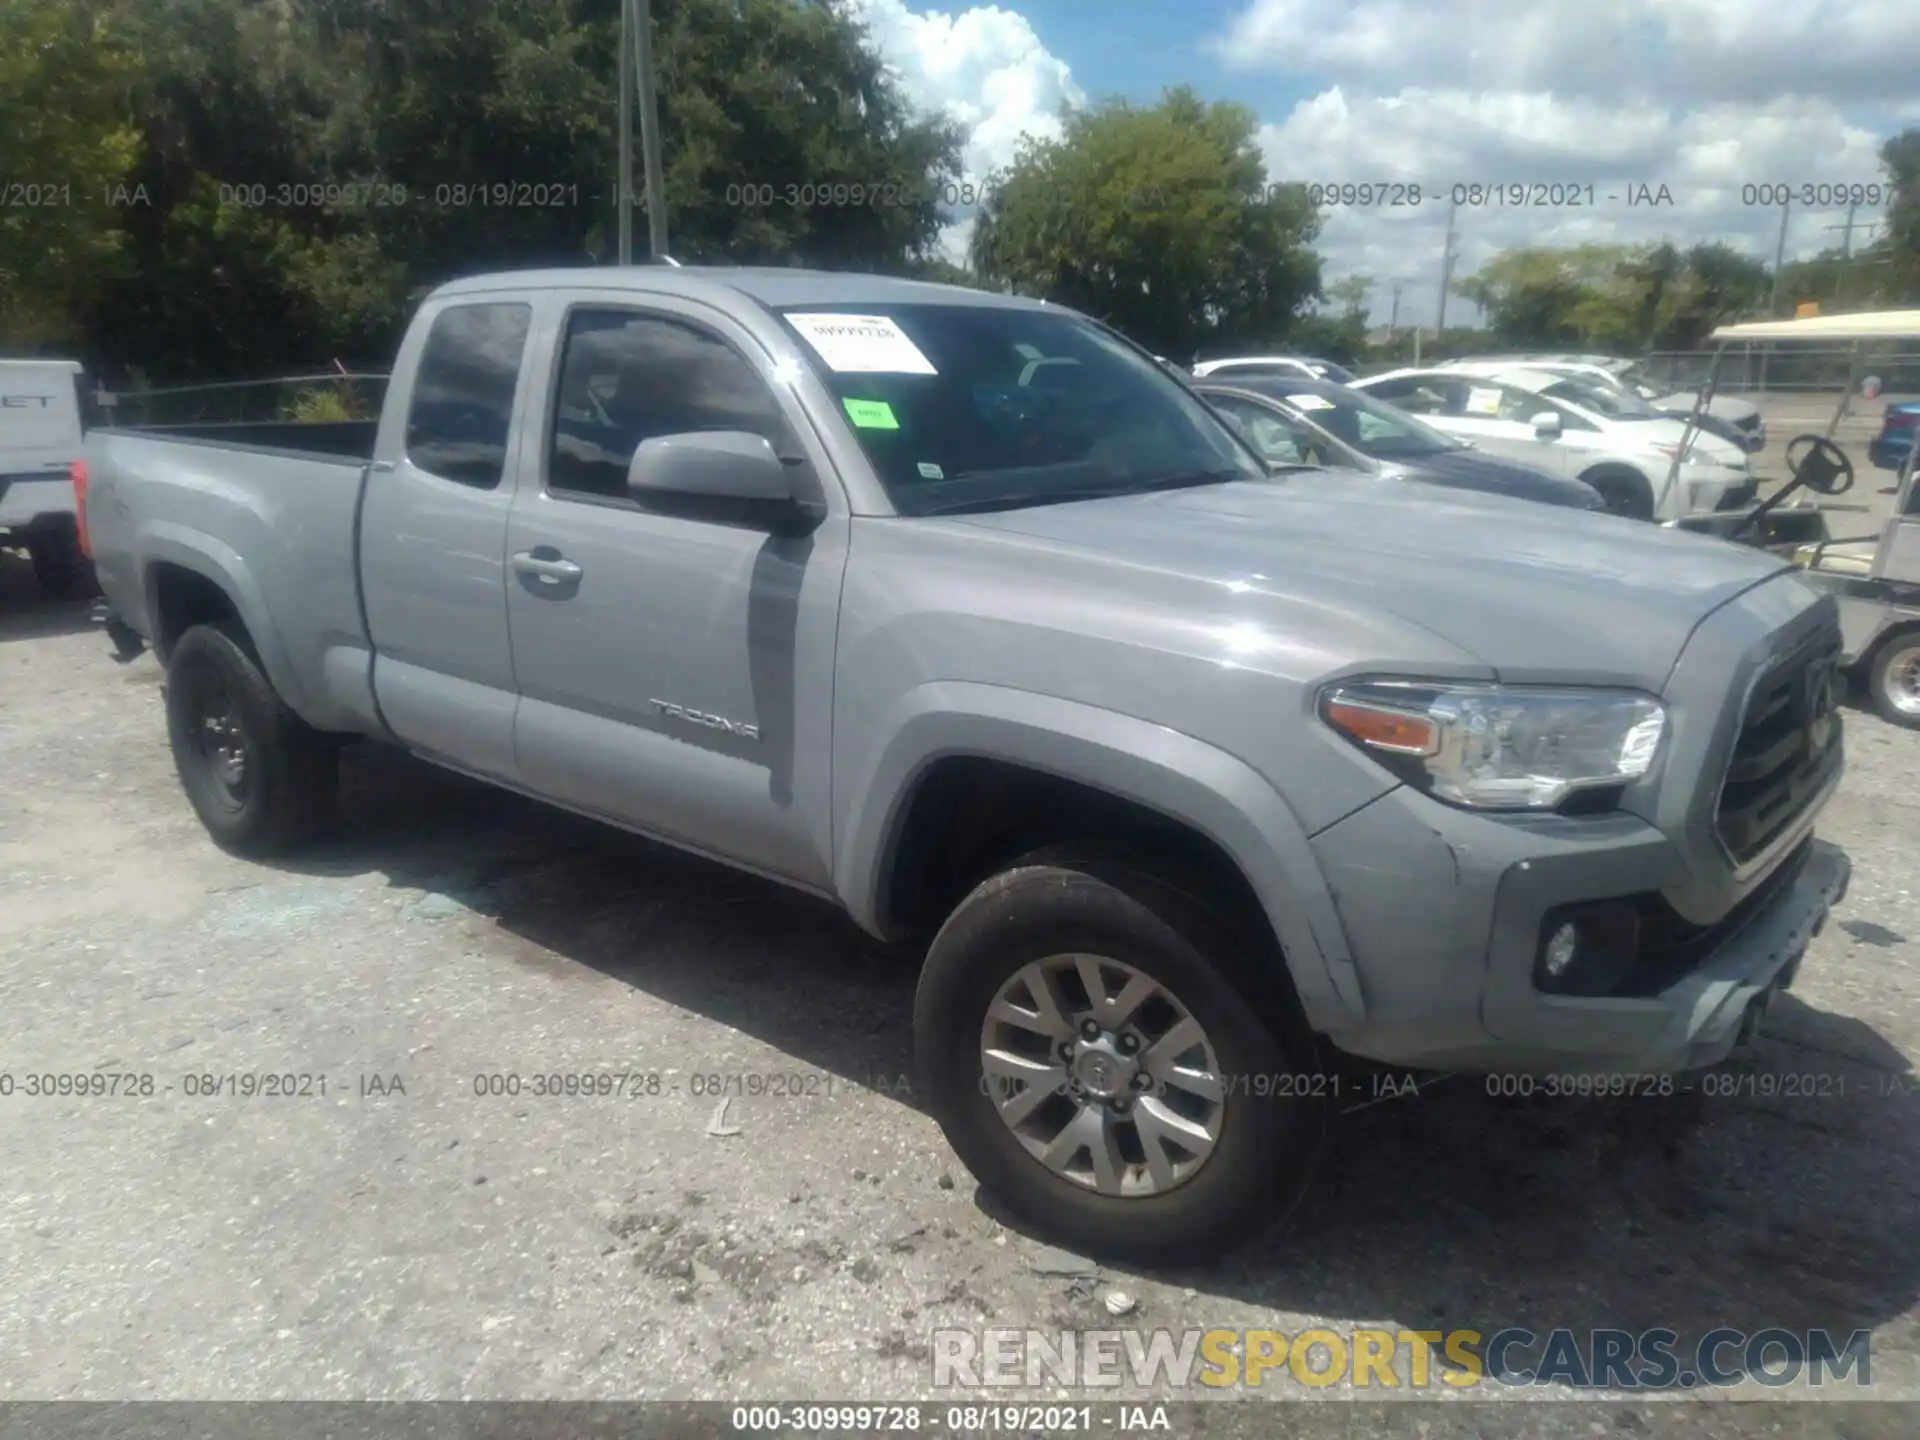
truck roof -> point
(773, 286)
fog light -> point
(1560, 950)
(1586, 949)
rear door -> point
(433, 533)
(674, 662)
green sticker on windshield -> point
(871, 414)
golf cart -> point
(1789, 520)
(1875, 577)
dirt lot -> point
(402, 1236)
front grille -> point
(1787, 750)
(1739, 496)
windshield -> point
(1371, 426)
(978, 407)
(1602, 400)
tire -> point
(1626, 492)
(1893, 680)
(1070, 901)
(62, 570)
(218, 697)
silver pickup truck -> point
(955, 608)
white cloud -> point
(984, 67)
(1853, 50)
(1704, 97)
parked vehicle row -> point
(1619, 446)
(1726, 416)
(1317, 422)
(962, 612)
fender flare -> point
(1183, 778)
(162, 542)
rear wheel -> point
(61, 568)
(259, 777)
(1893, 680)
(1099, 1062)
(1626, 493)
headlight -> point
(1493, 747)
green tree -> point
(1157, 219)
(1898, 248)
(425, 140)
(1536, 296)
(65, 151)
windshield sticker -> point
(1310, 402)
(862, 343)
(930, 471)
(1483, 402)
(871, 414)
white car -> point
(39, 441)
(1245, 367)
(1727, 416)
(1559, 424)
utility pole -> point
(623, 178)
(1393, 315)
(1779, 258)
(1846, 246)
(1447, 256)
(636, 73)
(650, 127)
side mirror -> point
(709, 464)
(1546, 424)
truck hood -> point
(1537, 593)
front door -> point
(674, 662)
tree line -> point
(217, 189)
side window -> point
(1521, 405)
(627, 377)
(1420, 394)
(463, 393)
(1265, 431)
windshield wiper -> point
(1020, 498)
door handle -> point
(546, 566)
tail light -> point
(78, 470)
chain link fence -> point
(1788, 368)
(335, 398)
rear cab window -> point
(977, 406)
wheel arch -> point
(190, 579)
(948, 744)
(1620, 472)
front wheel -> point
(1098, 1059)
(259, 777)
(1893, 681)
(1625, 493)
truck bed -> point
(273, 517)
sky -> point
(1703, 97)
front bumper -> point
(1459, 994)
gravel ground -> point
(402, 1237)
